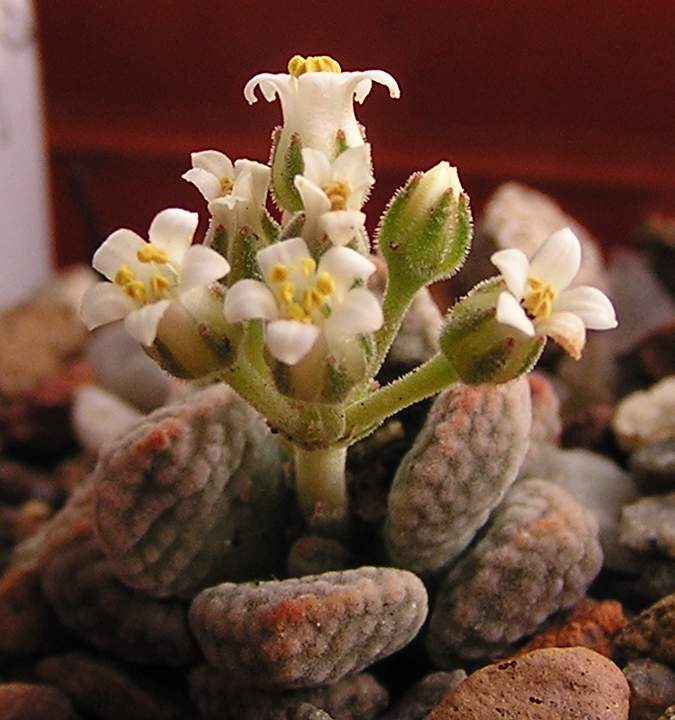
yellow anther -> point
(136, 290)
(151, 253)
(299, 65)
(226, 185)
(124, 276)
(338, 192)
(279, 273)
(539, 301)
(286, 292)
(296, 312)
(325, 284)
(308, 266)
(311, 299)
(159, 285)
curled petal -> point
(359, 313)
(172, 230)
(590, 304)
(346, 266)
(119, 249)
(201, 266)
(557, 261)
(342, 226)
(248, 300)
(287, 252)
(214, 162)
(513, 266)
(270, 85)
(103, 303)
(365, 80)
(289, 340)
(567, 329)
(509, 312)
(317, 167)
(207, 183)
(142, 324)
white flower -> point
(147, 276)
(539, 300)
(317, 99)
(304, 302)
(230, 189)
(333, 192)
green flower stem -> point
(321, 487)
(365, 416)
(396, 302)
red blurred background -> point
(574, 98)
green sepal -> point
(340, 142)
(293, 227)
(243, 262)
(287, 162)
(481, 349)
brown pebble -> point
(656, 352)
(103, 690)
(22, 701)
(23, 612)
(590, 624)
(32, 515)
(547, 684)
(651, 633)
(652, 688)
(590, 428)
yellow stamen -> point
(151, 253)
(539, 301)
(299, 65)
(279, 273)
(159, 285)
(136, 290)
(286, 292)
(338, 192)
(325, 284)
(124, 276)
(226, 186)
(312, 299)
(308, 266)
(296, 312)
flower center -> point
(539, 299)
(307, 301)
(226, 186)
(338, 192)
(157, 286)
(299, 65)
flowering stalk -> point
(282, 310)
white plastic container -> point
(25, 256)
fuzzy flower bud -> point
(425, 233)
(479, 347)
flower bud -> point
(425, 233)
(481, 349)
(193, 340)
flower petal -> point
(103, 303)
(342, 226)
(201, 266)
(590, 304)
(513, 266)
(118, 249)
(207, 183)
(346, 266)
(567, 329)
(258, 180)
(250, 299)
(355, 166)
(364, 83)
(287, 252)
(142, 324)
(557, 261)
(314, 199)
(172, 230)
(509, 312)
(270, 85)
(317, 167)
(289, 340)
(214, 162)
(359, 312)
